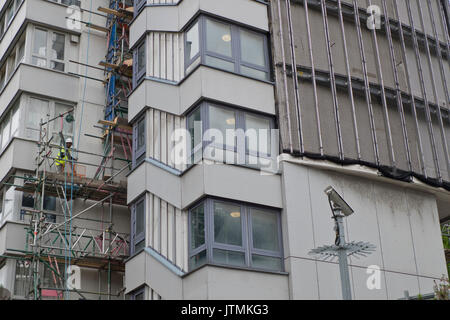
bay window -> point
(234, 234)
(246, 133)
(137, 226)
(9, 126)
(228, 47)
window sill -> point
(248, 269)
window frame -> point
(240, 124)
(138, 153)
(138, 5)
(137, 238)
(236, 57)
(247, 236)
(139, 75)
(49, 41)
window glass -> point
(252, 48)
(194, 117)
(10, 12)
(49, 203)
(218, 38)
(27, 200)
(37, 110)
(198, 226)
(261, 127)
(229, 257)
(219, 63)
(5, 132)
(15, 122)
(139, 296)
(21, 52)
(140, 245)
(40, 42)
(141, 58)
(197, 260)
(222, 119)
(227, 224)
(140, 225)
(9, 201)
(265, 262)
(61, 125)
(254, 73)
(1, 200)
(265, 230)
(192, 42)
(141, 134)
(57, 46)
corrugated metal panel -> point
(167, 230)
(353, 102)
(165, 58)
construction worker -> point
(65, 156)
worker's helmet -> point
(68, 140)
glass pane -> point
(141, 134)
(222, 120)
(258, 133)
(197, 260)
(139, 296)
(57, 46)
(229, 257)
(9, 202)
(218, 38)
(27, 200)
(227, 224)
(265, 262)
(49, 203)
(252, 48)
(140, 220)
(15, 123)
(141, 58)
(258, 74)
(39, 62)
(10, 12)
(138, 246)
(5, 133)
(192, 42)
(36, 111)
(61, 125)
(198, 226)
(195, 116)
(219, 63)
(265, 230)
(21, 53)
(57, 66)
(40, 42)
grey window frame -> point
(139, 75)
(137, 238)
(236, 58)
(240, 124)
(247, 235)
(138, 5)
(137, 292)
(138, 153)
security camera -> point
(337, 202)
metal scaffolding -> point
(77, 240)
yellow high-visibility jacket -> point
(62, 157)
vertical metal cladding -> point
(166, 56)
(354, 94)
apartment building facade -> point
(214, 215)
(218, 225)
(43, 75)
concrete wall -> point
(402, 223)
